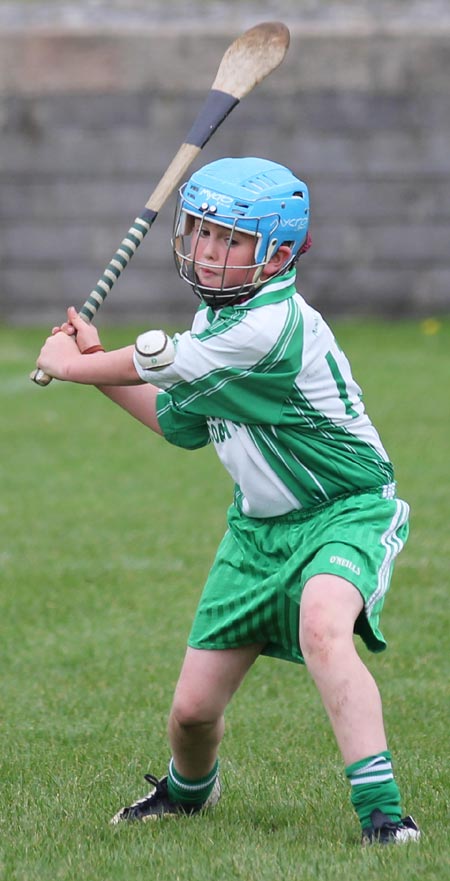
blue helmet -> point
(254, 196)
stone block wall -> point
(92, 112)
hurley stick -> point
(252, 57)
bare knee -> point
(328, 611)
(318, 634)
(190, 712)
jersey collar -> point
(274, 291)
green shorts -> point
(254, 588)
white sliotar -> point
(154, 349)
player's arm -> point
(111, 372)
(64, 357)
(139, 401)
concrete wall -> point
(91, 113)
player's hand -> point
(66, 327)
(86, 334)
(58, 354)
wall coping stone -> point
(115, 53)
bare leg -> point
(329, 608)
(207, 682)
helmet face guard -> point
(187, 262)
(252, 196)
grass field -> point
(106, 537)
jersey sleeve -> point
(179, 427)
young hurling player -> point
(315, 524)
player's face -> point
(214, 247)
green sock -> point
(190, 792)
(374, 787)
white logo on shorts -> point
(346, 563)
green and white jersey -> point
(267, 383)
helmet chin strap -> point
(219, 297)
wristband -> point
(92, 349)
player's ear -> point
(278, 260)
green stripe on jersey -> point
(301, 482)
(340, 384)
(358, 460)
(218, 327)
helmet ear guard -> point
(272, 248)
(186, 223)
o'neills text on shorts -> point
(341, 561)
